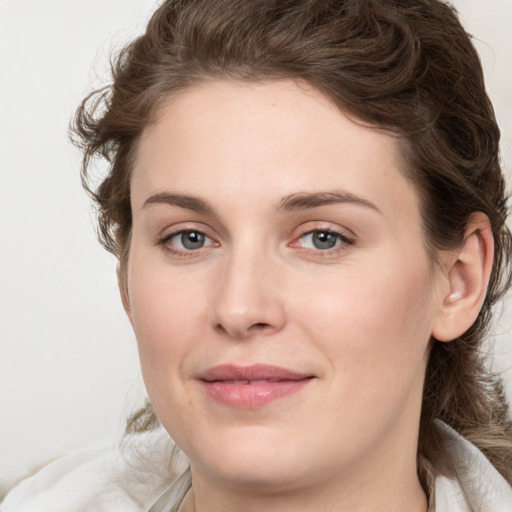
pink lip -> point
(250, 387)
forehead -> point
(265, 140)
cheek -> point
(168, 313)
(372, 323)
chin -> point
(252, 459)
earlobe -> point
(123, 292)
(468, 272)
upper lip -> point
(232, 372)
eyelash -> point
(167, 247)
(341, 245)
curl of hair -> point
(405, 67)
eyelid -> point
(316, 226)
(189, 231)
(167, 235)
(346, 237)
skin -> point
(358, 317)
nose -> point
(249, 298)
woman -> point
(309, 214)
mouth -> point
(251, 387)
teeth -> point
(240, 382)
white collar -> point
(479, 487)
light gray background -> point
(68, 363)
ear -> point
(468, 270)
(123, 292)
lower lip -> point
(252, 396)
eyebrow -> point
(295, 202)
(307, 200)
(181, 200)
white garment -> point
(135, 477)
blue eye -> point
(322, 240)
(189, 240)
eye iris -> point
(192, 240)
(324, 240)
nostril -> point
(260, 325)
(220, 328)
(261, 328)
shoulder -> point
(116, 477)
(477, 485)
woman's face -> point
(279, 286)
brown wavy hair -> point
(404, 66)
